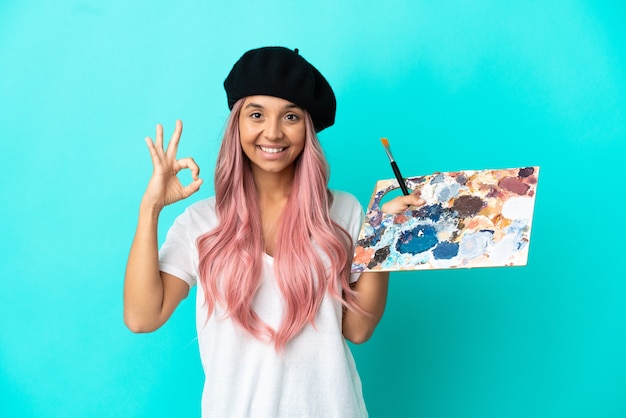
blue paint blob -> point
(437, 178)
(417, 240)
(432, 212)
(446, 250)
(448, 192)
(475, 244)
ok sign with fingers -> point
(164, 187)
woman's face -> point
(272, 133)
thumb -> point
(192, 187)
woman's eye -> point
(255, 115)
(292, 117)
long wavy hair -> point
(312, 256)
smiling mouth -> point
(271, 150)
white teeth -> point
(271, 150)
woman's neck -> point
(273, 190)
(272, 187)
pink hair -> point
(231, 255)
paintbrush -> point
(394, 166)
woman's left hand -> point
(402, 203)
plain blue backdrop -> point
(453, 85)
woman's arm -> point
(372, 287)
(150, 296)
(371, 293)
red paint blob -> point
(514, 184)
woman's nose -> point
(273, 129)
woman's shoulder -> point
(345, 205)
(202, 206)
(199, 214)
(344, 199)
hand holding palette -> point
(470, 219)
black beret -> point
(281, 72)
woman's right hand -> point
(164, 187)
(403, 203)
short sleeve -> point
(348, 213)
(179, 253)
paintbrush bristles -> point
(385, 142)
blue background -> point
(452, 84)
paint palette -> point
(470, 219)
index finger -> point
(414, 199)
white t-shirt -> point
(244, 377)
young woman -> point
(270, 253)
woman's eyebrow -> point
(255, 105)
(258, 106)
